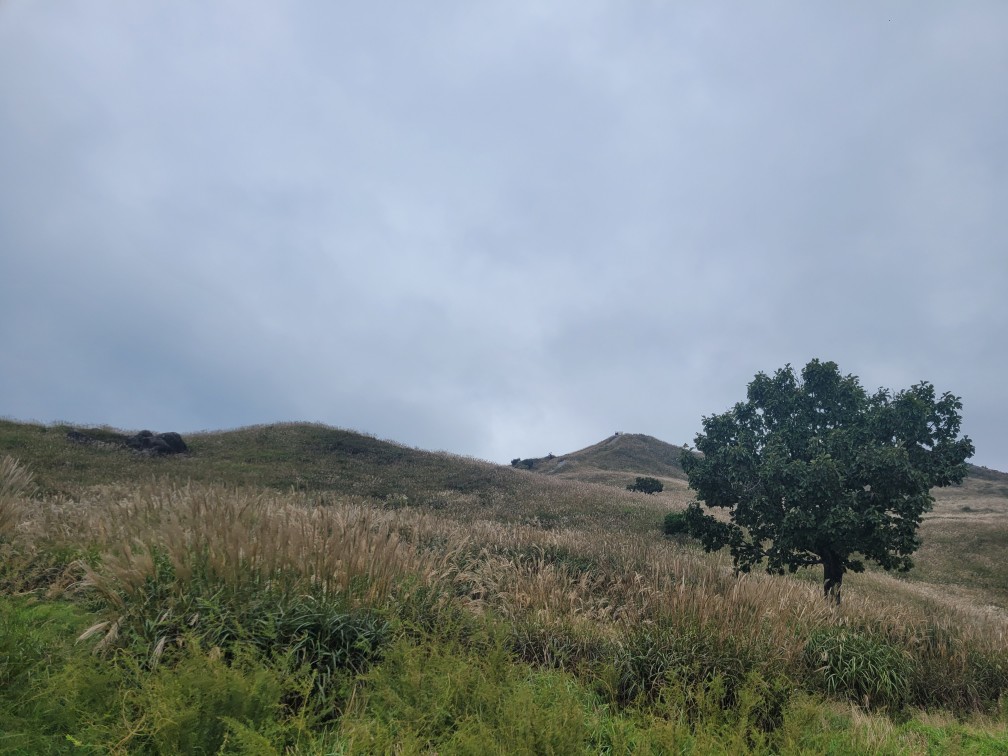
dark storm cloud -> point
(499, 229)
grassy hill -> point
(617, 458)
(317, 459)
(323, 591)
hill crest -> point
(629, 453)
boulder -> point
(174, 442)
(157, 443)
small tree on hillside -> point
(817, 471)
(646, 485)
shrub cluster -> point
(646, 485)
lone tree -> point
(817, 471)
(647, 485)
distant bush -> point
(646, 485)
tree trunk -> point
(833, 572)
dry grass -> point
(15, 483)
(244, 540)
(586, 568)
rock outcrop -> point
(144, 442)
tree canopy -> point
(817, 471)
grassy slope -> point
(317, 458)
(539, 534)
(963, 538)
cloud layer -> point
(499, 229)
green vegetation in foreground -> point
(429, 692)
(436, 604)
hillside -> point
(615, 461)
(318, 459)
(323, 591)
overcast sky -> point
(498, 229)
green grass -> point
(55, 697)
(437, 691)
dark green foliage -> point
(325, 638)
(651, 659)
(675, 523)
(646, 485)
(558, 646)
(317, 634)
(817, 471)
(860, 667)
(947, 674)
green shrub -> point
(325, 638)
(964, 679)
(559, 645)
(57, 697)
(699, 672)
(859, 667)
(950, 671)
(675, 523)
(646, 485)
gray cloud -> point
(498, 229)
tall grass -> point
(173, 561)
(570, 585)
(15, 482)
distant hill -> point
(615, 460)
